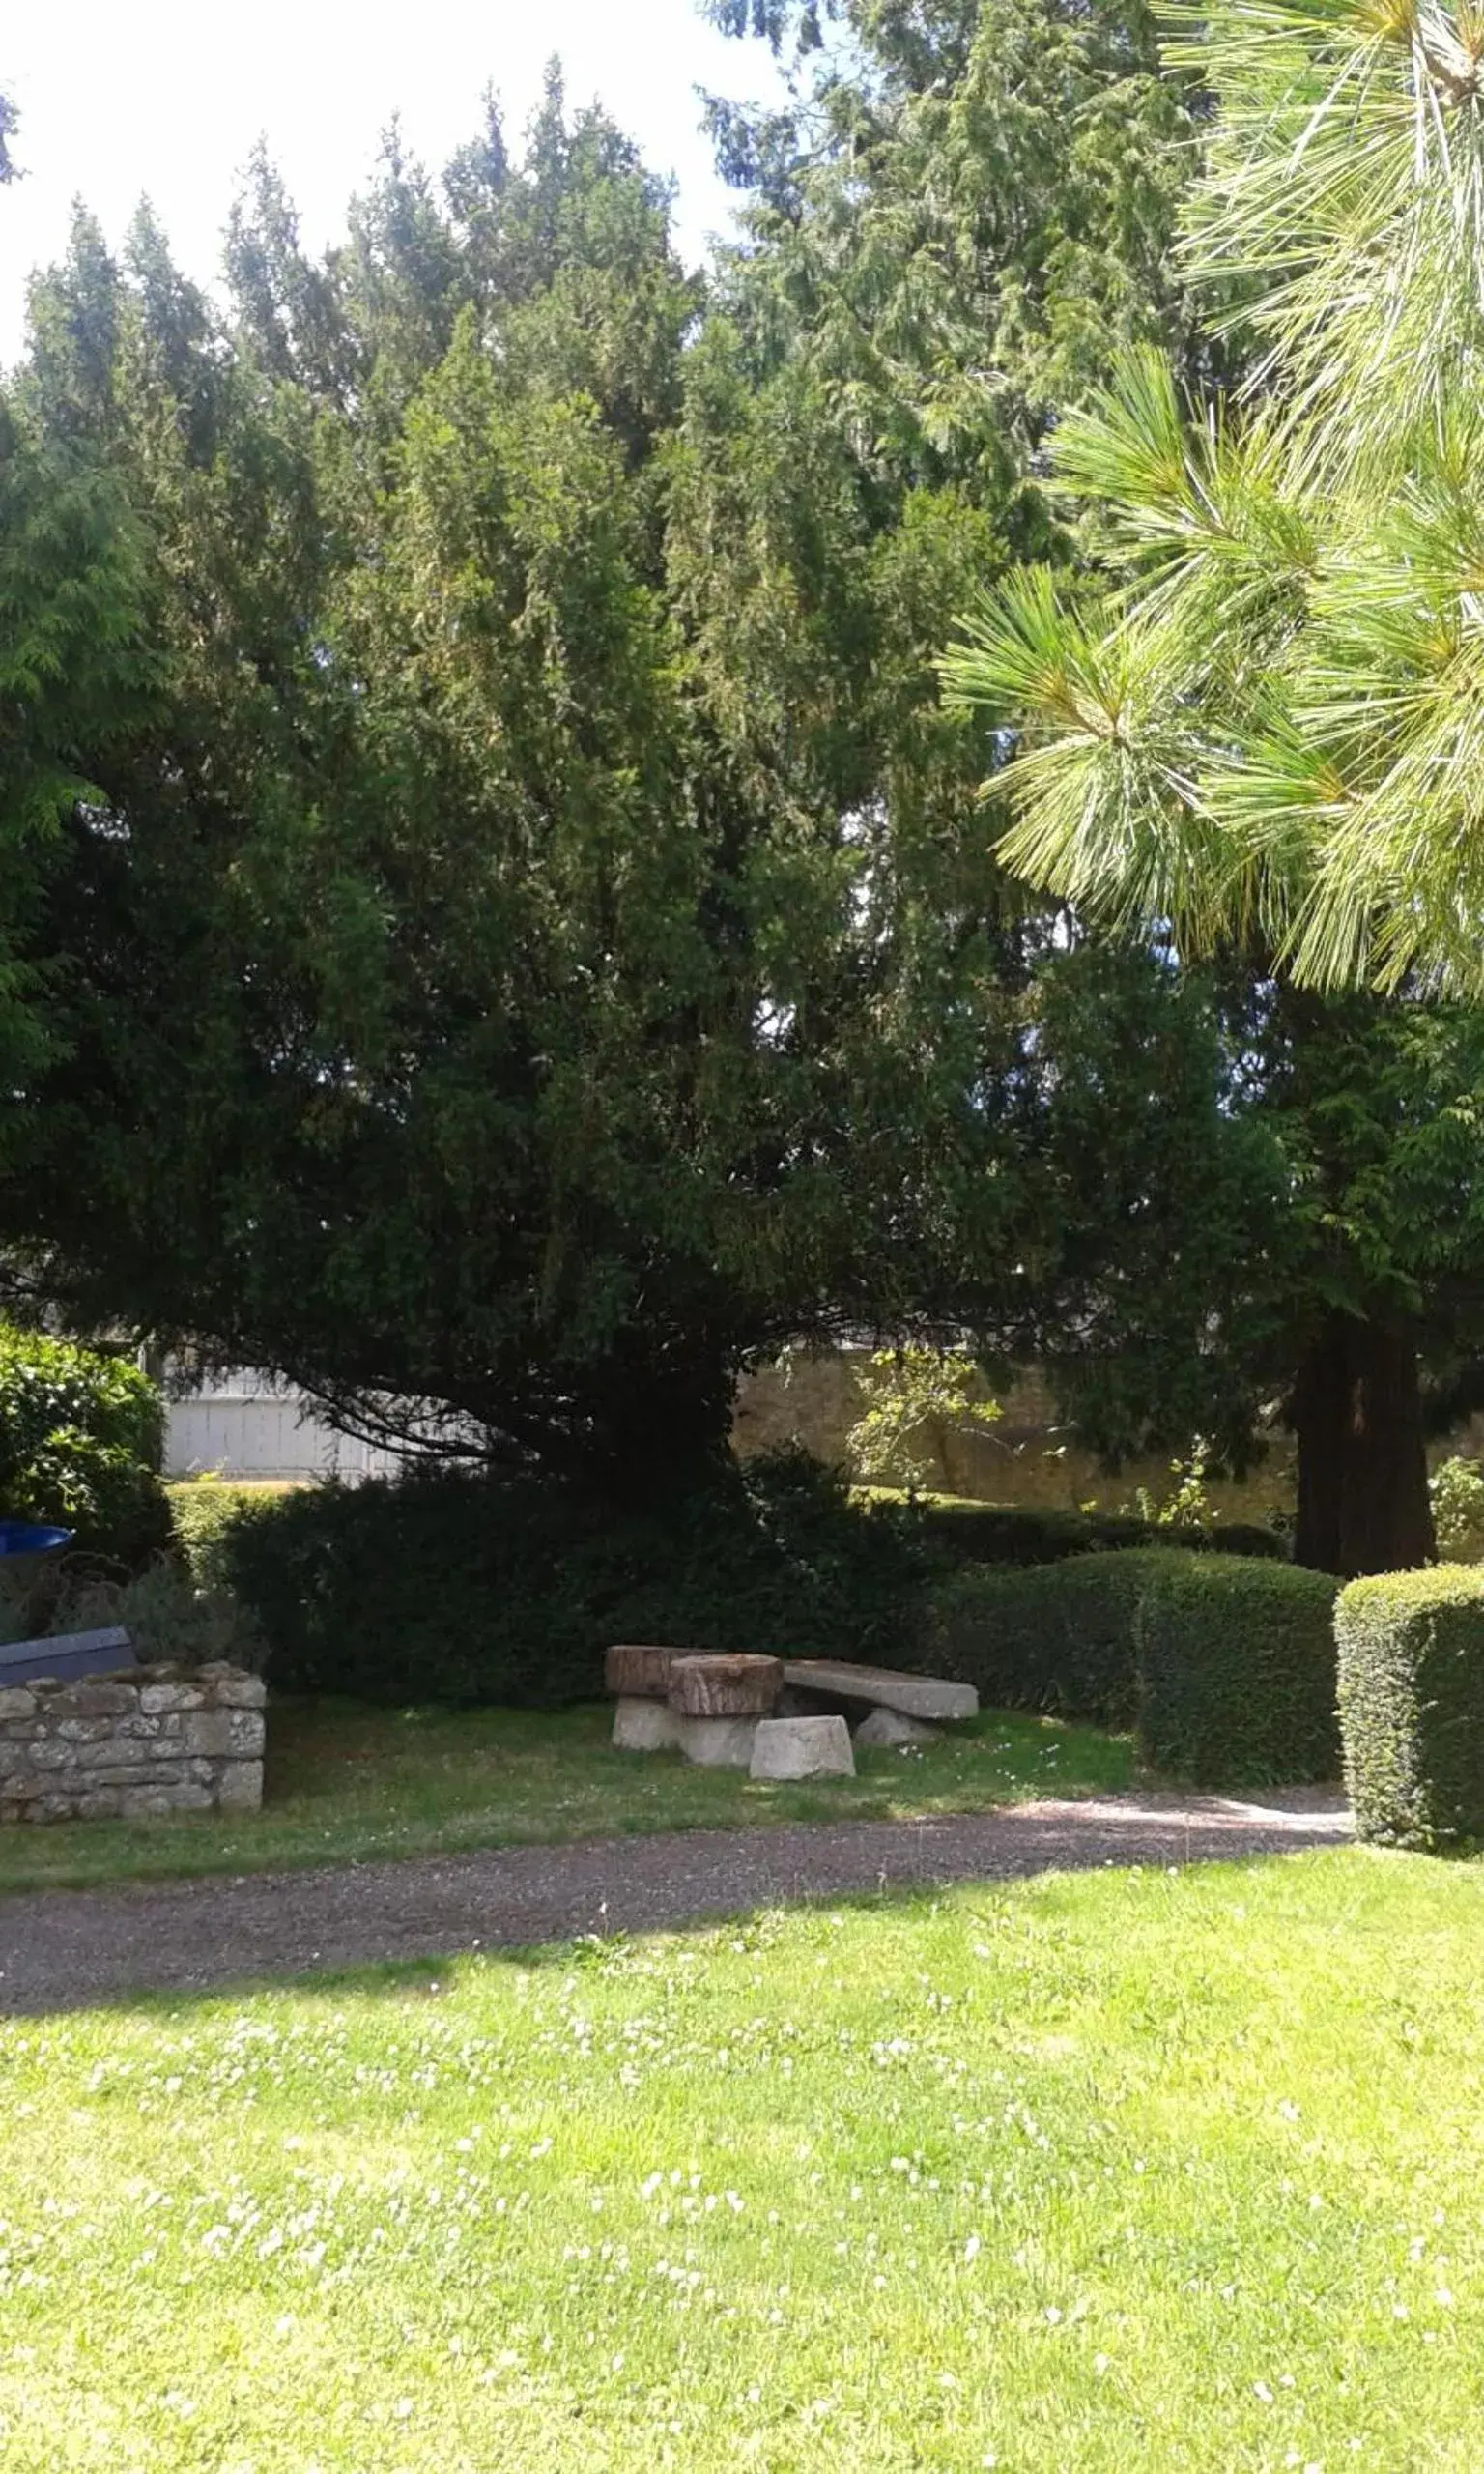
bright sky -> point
(120, 99)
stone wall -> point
(814, 1398)
(1026, 1458)
(113, 1747)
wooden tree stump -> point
(638, 1672)
(721, 1686)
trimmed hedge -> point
(203, 1510)
(969, 1532)
(1411, 1705)
(1237, 1672)
(456, 1590)
(1059, 1638)
(81, 1438)
(1226, 1665)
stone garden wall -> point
(112, 1747)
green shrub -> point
(170, 1620)
(202, 1511)
(81, 1435)
(1247, 1538)
(459, 1590)
(1456, 1490)
(1411, 1705)
(1061, 1639)
(966, 1531)
(1237, 1672)
(1226, 1664)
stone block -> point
(890, 1729)
(97, 1700)
(722, 1685)
(803, 1748)
(100, 1804)
(110, 1752)
(637, 1671)
(15, 1701)
(149, 1773)
(240, 1790)
(83, 1730)
(230, 1685)
(234, 1689)
(225, 1735)
(156, 1698)
(645, 1726)
(916, 1696)
(718, 1743)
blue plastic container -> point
(31, 1537)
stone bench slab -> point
(916, 1696)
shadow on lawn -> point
(71, 1949)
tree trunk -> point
(660, 1419)
(1364, 1503)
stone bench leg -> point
(645, 1726)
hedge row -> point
(1226, 1665)
(1057, 1638)
(455, 1590)
(1411, 1706)
(1237, 1672)
(969, 1532)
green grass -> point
(347, 1784)
(1115, 2171)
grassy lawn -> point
(346, 1783)
(1098, 2173)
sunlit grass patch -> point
(1097, 2171)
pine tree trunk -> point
(1364, 1503)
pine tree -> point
(1251, 734)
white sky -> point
(120, 99)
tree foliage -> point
(459, 990)
(1270, 726)
(523, 945)
(511, 932)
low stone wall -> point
(113, 1747)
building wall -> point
(243, 1426)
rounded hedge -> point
(1058, 1638)
(1411, 1705)
(1225, 1664)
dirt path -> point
(63, 1948)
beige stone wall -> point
(813, 1399)
(112, 1747)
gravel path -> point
(63, 1948)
